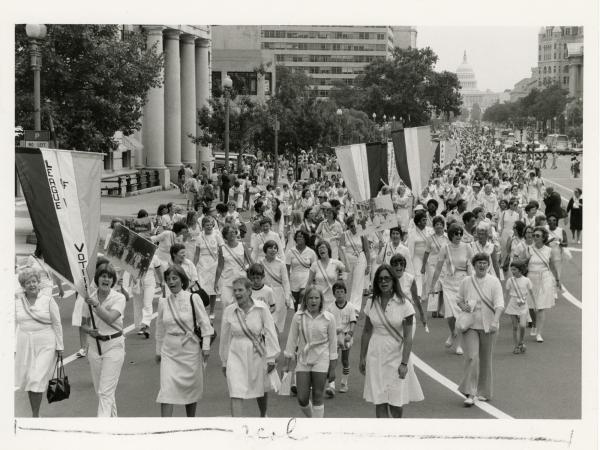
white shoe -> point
(82, 353)
(469, 401)
(533, 332)
(211, 317)
(330, 392)
(539, 338)
(481, 398)
(459, 350)
(450, 341)
(344, 388)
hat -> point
(419, 207)
(326, 205)
(476, 185)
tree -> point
(405, 86)
(475, 113)
(93, 83)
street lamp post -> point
(339, 113)
(276, 152)
(384, 128)
(36, 33)
(227, 84)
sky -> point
(500, 56)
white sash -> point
(256, 342)
(302, 262)
(482, 297)
(306, 336)
(30, 313)
(541, 257)
(386, 323)
(234, 256)
(324, 273)
(352, 244)
(274, 276)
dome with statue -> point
(466, 75)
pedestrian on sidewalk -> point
(575, 210)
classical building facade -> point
(553, 55)
(325, 53)
(523, 87)
(471, 95)
(170, 113)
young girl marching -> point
(518, 288)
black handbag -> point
(197, 329)
(58, 386)
(196, 289)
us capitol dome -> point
(468, 88)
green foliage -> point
(92, 83)
(405, 86)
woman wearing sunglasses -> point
(386, 346)
(456, 255)
(544, 278)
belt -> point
(110, 336)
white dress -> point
(181, 366)
(246, 369)
(276, 278)
(325, 278)
(541, 277)
(36, 342)
(357, 263)
(208, 245)
(382, 382)
(234, 262)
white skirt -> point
(181, 372)
(35, 359)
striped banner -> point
(364, 168)
(62, 191)
(414, 156)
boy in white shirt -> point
(345, 321)
(260, 291)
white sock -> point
(318, 411)
(332, 385)
(307, 410)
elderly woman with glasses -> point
(39, 338)
(456, 255)
(481, 301)
(544, 278)
(386, 346)
(506, 221)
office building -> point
(553, 56)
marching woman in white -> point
(394, 247)
(482, 245)
(456, 255)
(386, 346)
(435, 243)
(403, 203)
(507, 219)
(143, 293)
(39, 338)
(276, 278)
(358, 258)
(557, 241)
(207, 248)
(330, 230)
(108, 307)
(325, 272)
(313, 333)
(248, 348)
(417, 243)
(166, 239)
(299, 258)
(178, 349)
(544, 278)
(408, 286)
(179, 259)
(480, 298)
(233, 260)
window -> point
(565, 80)
(216, 83)
(336, 70)
(268, 83)
(244, 83)
(566, 69)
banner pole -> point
(94, 326)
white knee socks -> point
(307, 410)
(318, 411)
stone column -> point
(153, 135)
(172, 103)
(202, 93)
(188, 100)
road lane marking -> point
(570, 298)
(435, 375)
(573, 249)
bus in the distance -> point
(557, 142)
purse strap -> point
(193, 311)
(482, 297)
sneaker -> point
(469, 401)
(533, 332)
(481, 398)
(212, 317)
(522, 348)
(539, 338)
(344, 388)
(330, 392)
(139, 332)
(459, 350)
(449, 342)
(82, 353)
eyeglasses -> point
(397, 263)
(384, 279)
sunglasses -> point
(384, 279)
(538, 235)
(458, 233)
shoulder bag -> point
(197, 329)
(58, 386)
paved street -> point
(544, 383)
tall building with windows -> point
(553, 55)
(325, 53)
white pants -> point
(142, 303)
(356, 279)
(106, 369)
